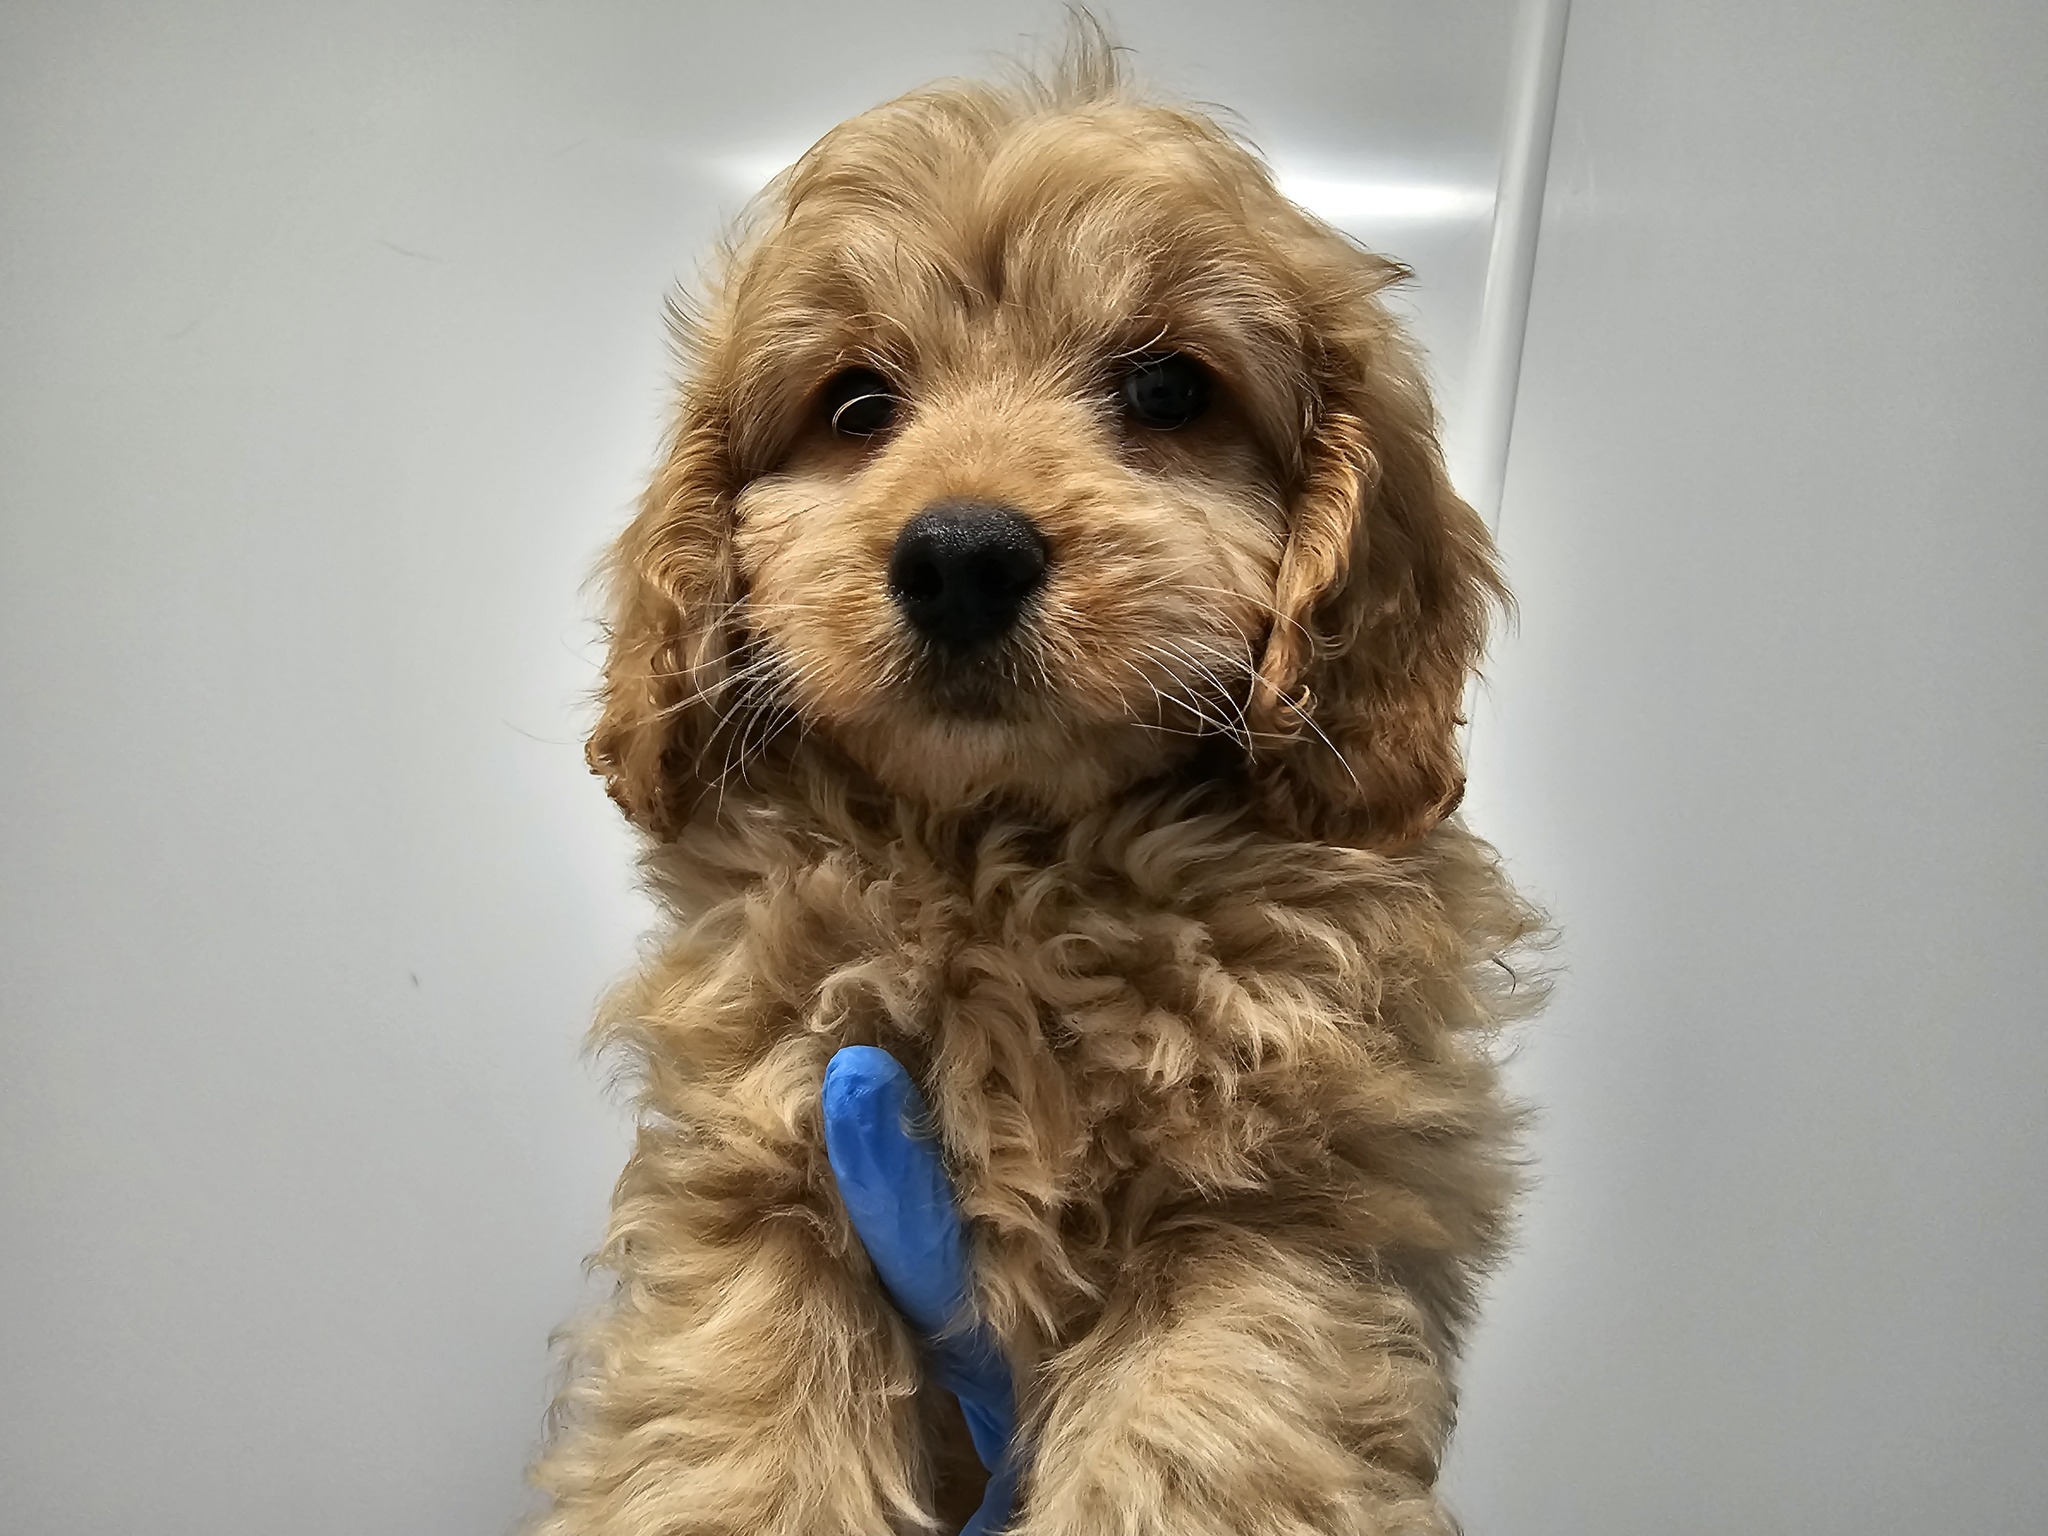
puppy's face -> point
(1030, 444)
(1025, 427)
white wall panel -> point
(1772, 743)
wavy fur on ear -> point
(1384, 594)
(669, 585)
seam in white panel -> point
(1535, 65)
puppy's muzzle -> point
(963, 571)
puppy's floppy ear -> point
(670, 587)
(1382, 602)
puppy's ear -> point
(670, 588)
(1382, 602)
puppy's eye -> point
(858, 402)
(1166, 391)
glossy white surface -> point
(330, 351)
(1773, 742)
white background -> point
(1773, 743)
(329, 355)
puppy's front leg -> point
(746, 1379)
(1241, 1386)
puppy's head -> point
(1033, 446)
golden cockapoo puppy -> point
(1040, 654)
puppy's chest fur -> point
(1142, 1030)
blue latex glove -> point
(895, 1189)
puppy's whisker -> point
(742, 678)
(1259, 603)
(1144, 347)
(778, 610)
(769, 717)
(1183, 692)
(1321, 736)
(1160, 700)
(1306, 720)
(1235, 724)
(1249, 663)
(1160, 726)
(1242, 661)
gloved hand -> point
(886, 1161)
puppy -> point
(1040, 654)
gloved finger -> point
(895, 1189)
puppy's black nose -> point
(962, 570)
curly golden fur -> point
(1179, 935)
